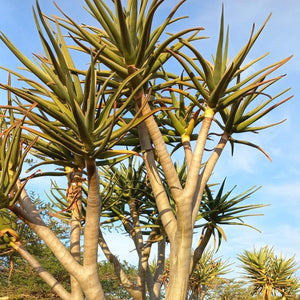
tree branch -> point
(32, 217)
(195, 165)
(91, 284)
(162, 201)
(200, 248)
(188, 153)
(128, 284)
(163, 154)
(48, 278)
(206, 173)
(93, 208)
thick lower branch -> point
(90, 282)
(180, 255)
(93, 208)
(48, 278)
(74, 195)
(160, 146)
(32, 218)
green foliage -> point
(270, 274)
(116, 108)
(218, 209)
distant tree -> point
(270, 274)
(230, 289)
(207, 275)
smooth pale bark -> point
(188, 153)
(75, 252)
(74, 194)
(86, 275)
(207, 172)
(89, 280)
(163, 154)
(180, 228)
(196, 161)
(31, 216)
(180, 255)
(165, 211)
(181, 242)
(180, 235)
(48, 278)
(156, 136)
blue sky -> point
(280, 179)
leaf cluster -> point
(269, 273)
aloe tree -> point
(128, 198)
(78, 119)
(221, 94)
(13, 153)
(270, 274)
(217, 211)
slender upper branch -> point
(206, 173)
(188, 153)
(195, 165)
(162, 201)
(200, 248)
(160, 146)
(163, 155)
(116, 264)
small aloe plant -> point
(219, 210)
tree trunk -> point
(180, 255)
(89, 279)
(86, 275)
